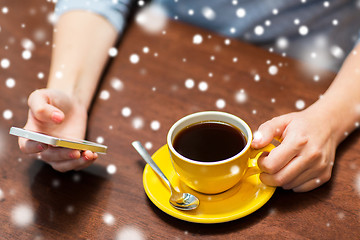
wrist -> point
(339, 116)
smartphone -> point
(58, 142)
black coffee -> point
(209, 141)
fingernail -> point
(57, 117)
(86, 157)
(41, 147)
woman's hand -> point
(56, 113)
(305, 158)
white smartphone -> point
(58, 142)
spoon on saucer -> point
(179, 200)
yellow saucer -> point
(244, 198)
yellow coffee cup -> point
(213, 177)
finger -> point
(302, 178)
(286, 174)
(269, 130)
(314, 182)
(309, 185)
(29, 146)
(40, 107)
(89, 155)
(280, 156)
(56, 154)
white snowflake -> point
(76, 177)
(282, 43)
(189, 83)
(27, 44)
(273, 70)
(55, 183)
(22, 215)
(303, 30)
(10, 83)
(52, 18)
(129, 232)
(40, 75)
(5, 10)
(70, 209)
(259, 30)
(104, 95)
(197, 39)
(208, 13)
(300, 104)
(241, 96)
(337, 52)
(152, 18)
(100, 139)
(220, 103)
(203, 86)
(134, 58)
(113, 52)
(111, 169)
(240, 12)
(26, 54)
(58, 74)
(235, 169)
(258, 136)
(148, 145)
(126, 112)
(155, 125)
(7, 114)
(5, 63)
(117, 84)
(108, 219)
(138, 123)
(146, 50)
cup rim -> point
(229, 115)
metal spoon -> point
(179, 200)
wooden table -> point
(37, 202)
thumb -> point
(269, 130)
(40, 106)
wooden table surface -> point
(37, 202)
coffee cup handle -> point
(254, 156)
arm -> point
(305, 157)
(81, 43)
